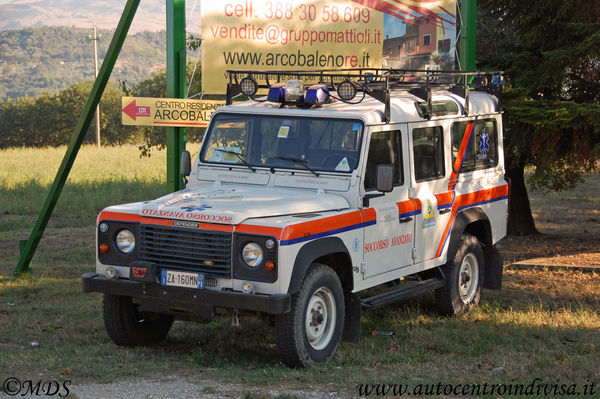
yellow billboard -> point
(285, 35)
(167, 112)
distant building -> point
(418, 48)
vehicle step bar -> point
(402, 293)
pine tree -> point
(550, 52)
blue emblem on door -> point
(484, 146)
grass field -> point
(543, 324)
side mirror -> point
(186, 163)
(385, 178)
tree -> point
(49, 119)
(550, 54)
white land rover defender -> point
(301, 201)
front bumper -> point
(175, 300)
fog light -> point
(111, 273)
(270, 244)
(247, 288)
(103, 248)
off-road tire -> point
(128, 327)
(461, 292)
(303, 344)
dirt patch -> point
(177, 387)
(569, 226)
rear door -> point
(388, 235)
(430, 185)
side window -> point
(482, 152)
(428, 150)
(384, 148)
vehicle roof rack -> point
(378, 83)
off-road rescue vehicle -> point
(337, 191)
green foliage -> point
(49, 119)
(155, 138)
(35, 60)
(549, 51)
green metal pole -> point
(80, 130)
(468, 34)
(176, 87)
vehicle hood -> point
(212, 204)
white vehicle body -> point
(336, 218)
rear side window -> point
(428, 150)
(482, 152)
(384, 148)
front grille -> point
(204, 251)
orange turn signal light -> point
(269, 265)
(103, 248)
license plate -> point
(182, 279)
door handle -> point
(405, 220)
(442, 211)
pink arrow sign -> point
(133, 111)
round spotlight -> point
(248, 86)
(346, 90)
(270, 244)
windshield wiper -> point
(301, 162)
(237, 155)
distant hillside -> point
(150, 15)
(33, 60)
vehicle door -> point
(430, 185)
(388, 235)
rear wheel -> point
(464, 279)
(127, 326)
(311, 332)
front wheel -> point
(311, 332)
(464, 279)
(127, 326)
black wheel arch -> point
(330, 251)
(475, 222)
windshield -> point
(310, 144)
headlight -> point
(252, 254)
(125, 241)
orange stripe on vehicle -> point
(261, 230)
(369, 214)
(460, 156)
(157, 222)
(445, 198)
(407, 206)
(467, 200)
(314, 227)
(118, 216)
